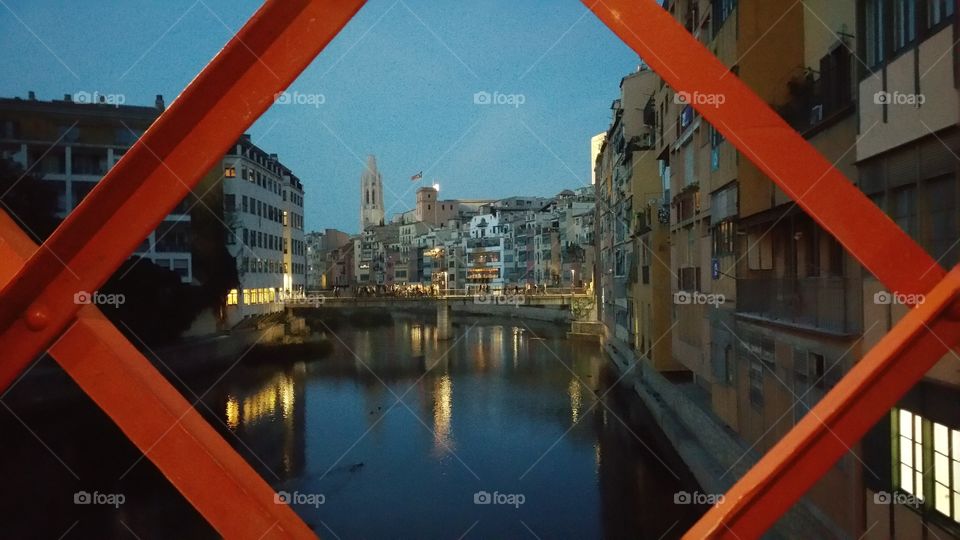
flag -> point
(416, 177)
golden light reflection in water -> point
(517, 336)
(233, 412)
(416, 340)
(496, 346)
(442, 414)
(277, 395)
(576, 400)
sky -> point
(399, 82)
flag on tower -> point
(416, 177)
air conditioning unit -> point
(816, 114)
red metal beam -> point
(159, 421)
(238, 85)
(763, 137)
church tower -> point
(371, 196)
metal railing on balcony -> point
(823, 303)
(474, 243)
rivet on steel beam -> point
(37, 317)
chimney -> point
(159, 103)
(68, 98)
(273, 157)
(31, 95)
(245, 137)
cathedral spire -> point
(371, 195)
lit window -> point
(230, 172)
(946, 471)
(942, 462)
(911, 453)
(232, 297)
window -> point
(904, 24)
(875, 35)
(229, 202)
(232, 297)
(689, 170)
(230, 172)
(946, 469)
(938, 11)
(689, 279)
(756, 381)
(941, 212)
(759, 251)
(904, 209)
(723, 238)
(908, 473)
(619, 264)
(721, 10)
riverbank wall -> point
(715, 455)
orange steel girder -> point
(898, 361)
(36, 302)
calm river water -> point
(507, 431)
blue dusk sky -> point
(398, 82)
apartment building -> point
(319, 245)
(769, 310)
(489, 252)
(906, 88)
(263, 208)
(614, 215)
(71, 144)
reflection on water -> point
(576, 400)
(399, 431)
(442, 414)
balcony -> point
(818, 98)
(474, 243)
(817, 303)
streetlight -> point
(573, 280)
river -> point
(509, 430)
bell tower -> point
(371, 195)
